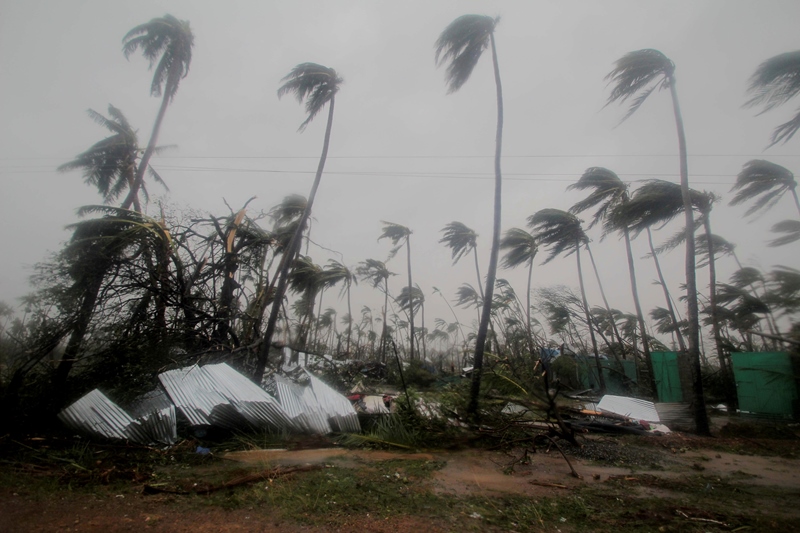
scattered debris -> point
(214, 395)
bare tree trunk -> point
(639, 315)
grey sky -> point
(402, 149)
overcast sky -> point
(402, 150)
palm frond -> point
(775, 82)
(171, 40)
(394, 232)
(461, 44)
(460, 239)
(521, 246)
(790, 229)
(608, 191)
(636, 75)
(313, 84)
(560, 230)
(763, 182)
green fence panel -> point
(766, 383)
(667, 378)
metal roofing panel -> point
(342, 415)
(156, 414)
(96, 415)
(630, 407)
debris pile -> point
(214, 395)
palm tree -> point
(317, 87)
(460, 46)
(401, 235)
(522, 249)
(636, 75)
(169, 42)
(775, 82)
(764, 183)
(414, 302)
(306, 279)
(461, 240)
(562, 232)
(333, 274)
(110, 164)
(376, 272)
(607, 193)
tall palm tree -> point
(522, 249)
(317, 87)
(562, 233)
(334, 273)
(400, 236)
(376, 272)
(775, 82)
(460, 46)
(461, 240)
(607, 193)
(168, 42)
(306, 279)
(636, 75)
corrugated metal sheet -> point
(156, 414)
(301, 405)
(214, 395)
(219, 395)
(340, 411)
(96, 415)
(630, 407)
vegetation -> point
(137, 290)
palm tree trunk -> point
(727, 375)
(410, 300)
(480, 341)
(477, 269)
(667, 296)
(700, 415)
(528, 308)
(589, 323)
(639, 315)
(286, 260)
(144, 162)
(605, 302)
(350, 321)
(384, 330)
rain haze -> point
(402, 149)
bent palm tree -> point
(636, 75)
(764, 183)
(522, 249)
(608, 192)
(401, 235)
(775, 82)
(317, 87)
(171, 40)
(460, 46)
(562, 232)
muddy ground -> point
(739, 480)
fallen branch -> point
(243, 480)
(572, 469)
(552, 485)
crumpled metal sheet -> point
(341, 414)
(218, 395)
(214, 395)
(301, 405)
(633, 408)
(96, 415)
(156, 414)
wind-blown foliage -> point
(763, 183)
(636, 75)
(461, 45)
(775, 82)
(313, 84)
